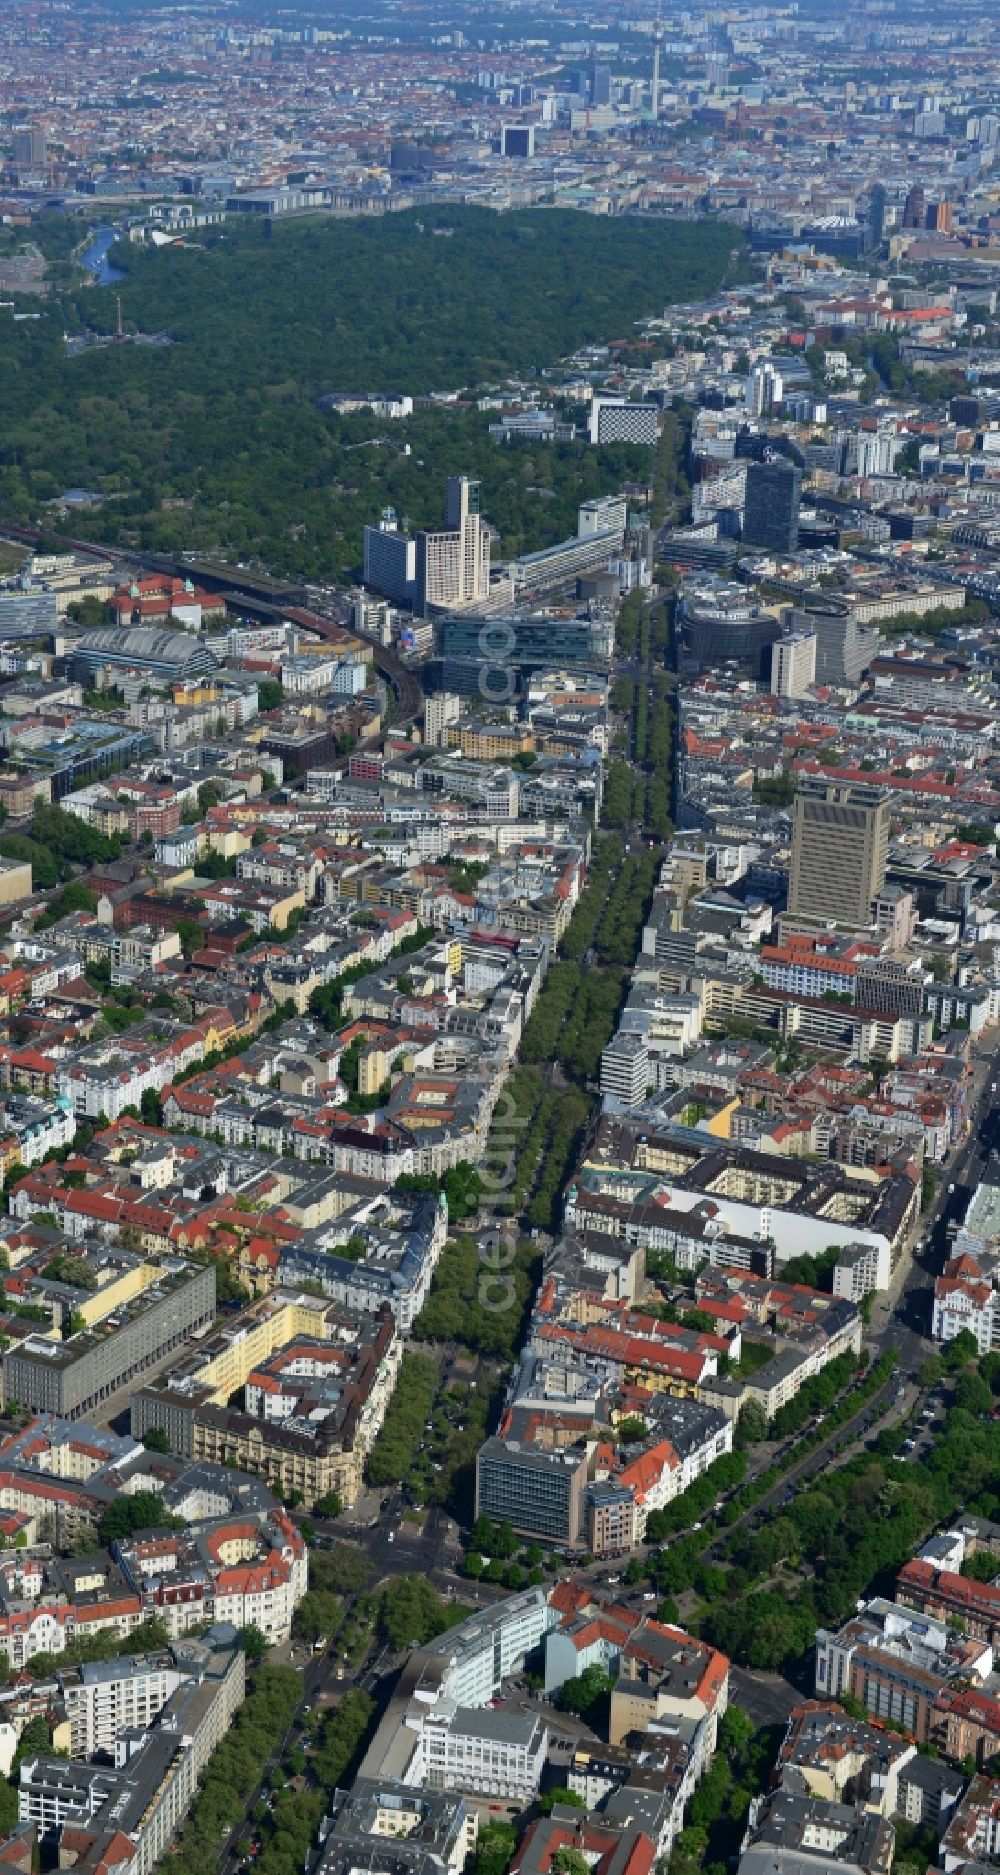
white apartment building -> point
(603, 514)
(257, 1601)
(110, 1694)
(625, 1069)
(860, 1269)
(108, 1076)
(35, 1126)
(793, 664)
(877, 453)
(765, 389)
(813, 978)
(280, 865)
(439, 713)
(349, 678)
(307, 677)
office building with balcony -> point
(625, 1069)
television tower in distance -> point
(655, 99)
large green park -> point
(215, 441)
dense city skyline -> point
(499, 939)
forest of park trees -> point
(215, 441)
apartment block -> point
(665, 1674)
(71, 1378)
(897, 1664)
(145, 1795)
(104, 1697)
(314, 1403)
(388, 1828)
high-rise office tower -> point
(771, 513)
(517, 140)
(600, 84)
(453, 562)
(844, 648)
(390, 559)
(447, 566)
(30, 148)
(914, 207)
(840, 843)
(876, 214)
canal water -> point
(95, 257)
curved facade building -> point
(720, 623)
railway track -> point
(405, 684)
